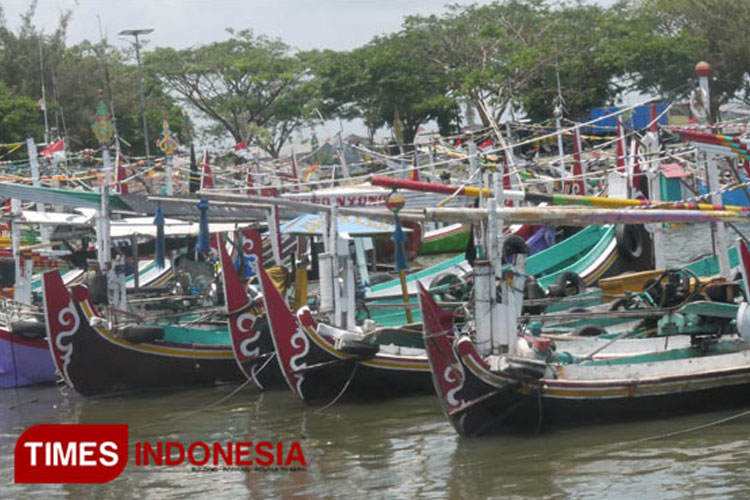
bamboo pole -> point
(405, 295)
(582, 216)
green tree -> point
(19, 117)
(72, 76)
(711, 30)
(387, 75)
(250, 85)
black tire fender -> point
(589, 331)
(630, 241)
(142, 333)
(570, 278)
(514, 245)
(28, 329)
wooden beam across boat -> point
(569, 216)
(551, 199)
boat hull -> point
(24, 362)
(95, 361)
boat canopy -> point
(353, 225)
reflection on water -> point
(399, 449)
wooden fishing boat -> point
(449, 239)
(322, 364)
(527, 385)
(95, 359)
(24, 352)
(252, 344)
(24, 359)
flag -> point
(160, 239)
(122, 188)
(486, 144)
(414, 174)
(194, 177)
(398, 239)
(53, 148)
(577, 186)
(398, 127)
(471, 250)
(207, 179)
(240, 146)
(204, 238)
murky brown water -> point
(398, 449)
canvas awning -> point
(353, 225)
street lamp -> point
(135, 33)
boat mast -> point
(718, 229)
(651, 142)
(44, 92)
(559, 107)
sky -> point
(303, 24)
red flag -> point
(120, 186)
(414, 174)
(53, 148)
(207, 179)
(240, 146)
(577, 187)
(486, 144)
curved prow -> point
(246, 337)
(62, 320)
(289, 340)
(744, 255)
(234, 293)
(447, 371)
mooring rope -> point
(679, 432)
(341, 392)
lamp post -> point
(135, 33)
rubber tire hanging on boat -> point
(589, 330)
(532, 290)
(357, 348)
(455, 286)
(97, 285)
(138, 334)
(630, 242)
(570, 278)
(514, 245)
(28, 329)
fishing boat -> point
(494, 379)
(252, 345)
(449, 239)
(96, 358)
(323, 364)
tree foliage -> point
(512, 52)
(72, 76)
(250, 85)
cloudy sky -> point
(304, 24)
